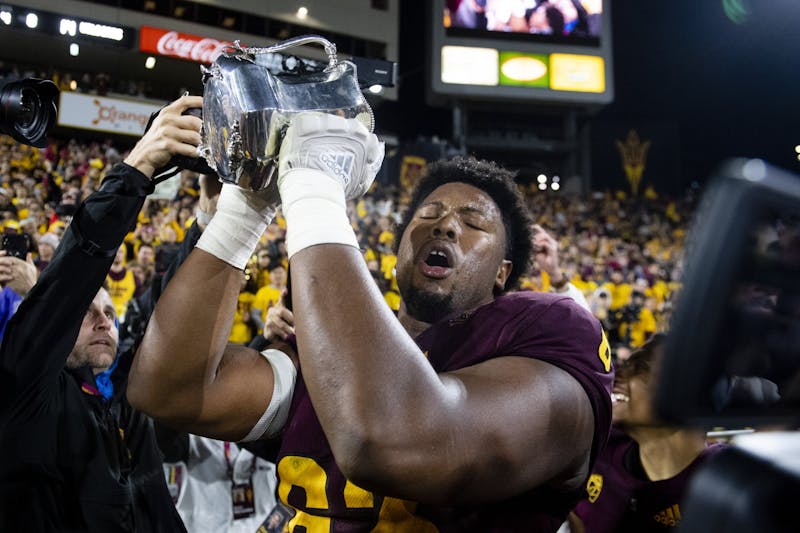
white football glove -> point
(341, 148)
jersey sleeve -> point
(566, 335)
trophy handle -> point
(330, 48)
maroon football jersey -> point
(526, 324)
(622, 499)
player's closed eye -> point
(429, 211)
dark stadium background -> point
(702, 80)
(709, 82)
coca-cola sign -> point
(181, 45)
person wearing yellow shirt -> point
(659, 291)
(619, 290)
(269, 295)
(392, 295)
(583, 285)
(243, 327)
(263, 262)
(388, 262)
(636, 321)
(122, 284)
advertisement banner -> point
(181, 45)
(101, 113)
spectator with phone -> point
(16, 244)
(17, 277)
(76, 456)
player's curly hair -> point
(499, 184)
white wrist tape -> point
(273, 419)
(315, 210)
(234, 232)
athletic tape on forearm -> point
(315, 210)
(234, 231)
(273, 419)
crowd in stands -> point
(624, 253)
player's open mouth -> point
(437, 264)
(619, 397)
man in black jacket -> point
(74, 456)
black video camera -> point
(732, 357)
(28, 110)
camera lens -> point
(29, 102)
(28, 110)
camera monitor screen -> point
(576, 22)
(733, 352)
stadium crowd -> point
(623, 253)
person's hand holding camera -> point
(171, 133)
(18, 275)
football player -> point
(475, 408)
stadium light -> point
(67, 27)
(32, 20)
(542, 186)
(302, 13)
(555, 186)
(74, 49)
(797, 148)
(541, 179)
(150, 63)
(101, 31)
(376, 89)
(5, 16)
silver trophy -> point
(246, 108)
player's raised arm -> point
(435, 420)
(185, 374)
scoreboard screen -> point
(537, 51)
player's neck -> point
(665, 453)
(412, 326)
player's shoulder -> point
(551, 327)
(539, 306)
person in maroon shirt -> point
(474, 409)
(641, 476)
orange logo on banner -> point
(180, 45)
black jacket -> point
(70, 461)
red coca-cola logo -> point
(182, 45)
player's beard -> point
(426, 306)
